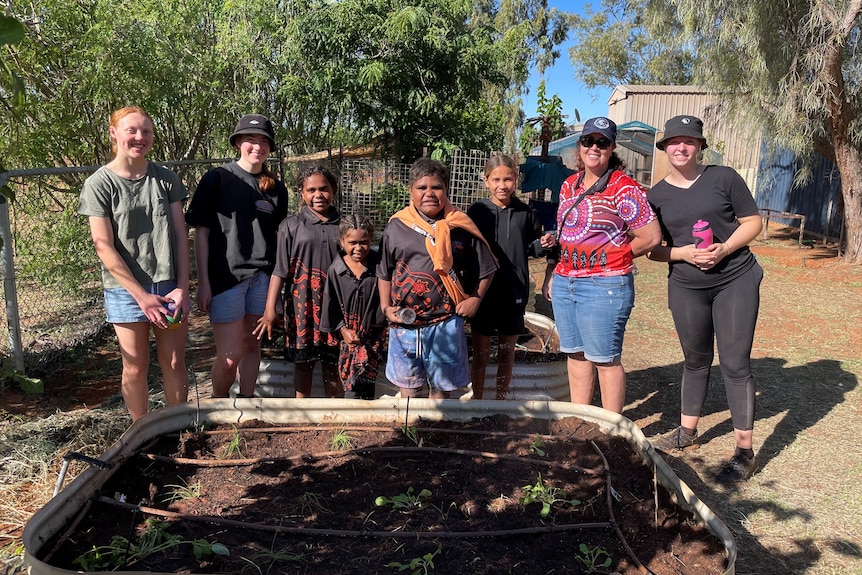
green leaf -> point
(11, 30)
(220, 549)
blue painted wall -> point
(818, 200)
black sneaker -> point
(676, 440)
(737, 470)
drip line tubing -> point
(291, 429)
(616, 527)
(351, 532)
(309, 457)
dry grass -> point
(801, 514)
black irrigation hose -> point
(376, 428)
(308, 457)
(419, 535)
(354, 533)
(616, 527)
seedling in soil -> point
(592, 558)
(412, 434)
(418, 565)
(264, 563)
(183, 492)
(154, 539)
(546, 495)
(445, 514)
(309, 503)
(538, 446)
(404, 501)
(341, 440)
(232, 450)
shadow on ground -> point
(790, 400)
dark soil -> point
(286, 501)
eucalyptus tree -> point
(791, 69)
(624, 43)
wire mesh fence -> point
(55, 272)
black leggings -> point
(729, 313)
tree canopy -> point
(790, 69)
(408, 74)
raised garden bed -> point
(350, 492)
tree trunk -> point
(849, 161)
(848, 155)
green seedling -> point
(538, 446)
(232, 449)
(341, 440)
(546, 495)
(309, 503)
(445, 514)
(404, 501)
(418, 565)
(183, 492)
(264, 562)
(154, 539)
(593, 558)
(412, 434)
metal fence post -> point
(11, 293)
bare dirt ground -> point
(800, 514)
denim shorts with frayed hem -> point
(121, 307)
(435, 355)
(591, 314)
(248, 297)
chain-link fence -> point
(52, 296)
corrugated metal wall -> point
(654, 105)
(818, 200)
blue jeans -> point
(248, 297)
(435, 354)
(591, 314)
(121, 307)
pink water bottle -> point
(702, 234)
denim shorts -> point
(121, 307)
(248, 297)
(591, 314)
(435, 354)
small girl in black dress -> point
(351, 308)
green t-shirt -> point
(139, 211)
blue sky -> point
(560, 79)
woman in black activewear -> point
(714, 290)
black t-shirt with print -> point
(307, 246)
(404, 261)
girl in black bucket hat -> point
(236, 211)
(713, 287)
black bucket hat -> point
(690, 126)
(254, 124)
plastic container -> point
(701, 231)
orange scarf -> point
(438, 242)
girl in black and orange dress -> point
(307, 245)
(351, 309)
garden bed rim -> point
(51, 518)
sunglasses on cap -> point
(602, 143)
